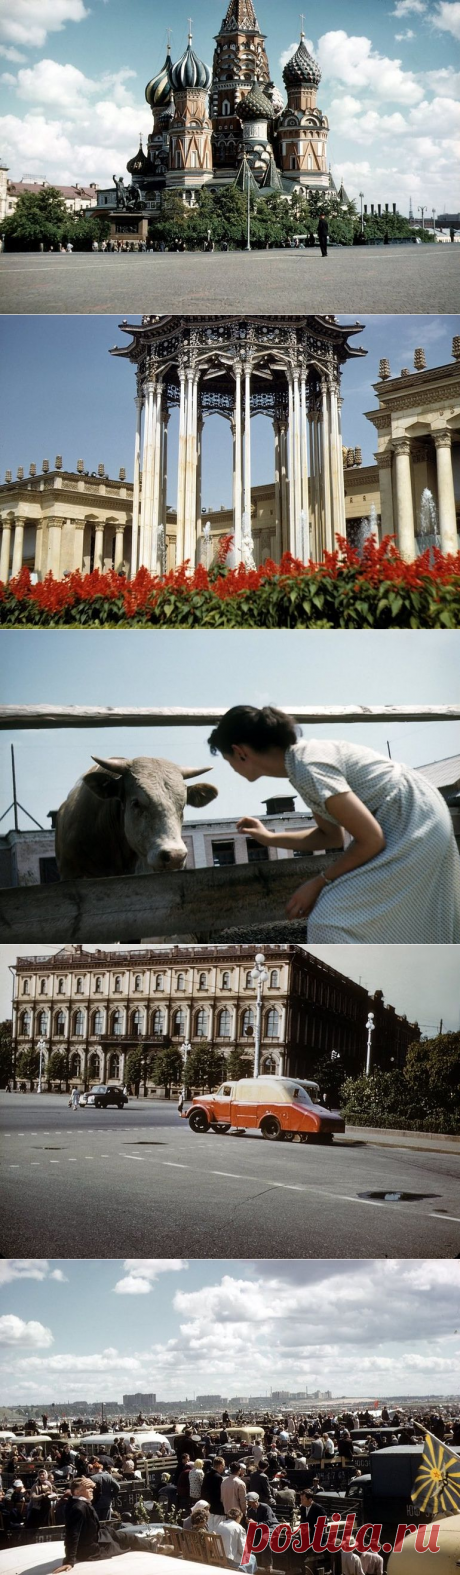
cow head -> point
(153, 795)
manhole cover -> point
(145, 1143)
(398, 1197)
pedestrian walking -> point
(323, 232)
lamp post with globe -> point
(41, 1047)
(370, 1029)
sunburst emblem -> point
(437, 1484)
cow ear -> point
(201, 794)
(104, 779)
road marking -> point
(137, 1157)
(35, 1161)
(55, 1161)
(172, 1164)
(13, 1167)
(435, 1216)
(71, 1162)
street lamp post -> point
(370, 1029)
(259, 978)
(248, 179)
(433, 215)
(362, 214)
(423, 212)
(41, 1047)
(186, 1048)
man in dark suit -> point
(323, 231)
(310, 1511)
(85, 1538)
(263, 1514)
(211, 1486)
(258, 1483)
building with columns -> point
(286, 368)
(54, 521)
(418, 450)
(97, 1005)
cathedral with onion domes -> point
(229, 123)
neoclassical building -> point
(97, 1006)
(418, 449)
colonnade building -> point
(97, 1006)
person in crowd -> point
(233, 1491)
(106, 1492)
(263, 1514)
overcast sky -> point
(78, 402)
(74, 75)
(374, 1329)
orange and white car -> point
(281, 1108)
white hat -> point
(18, 1483)
(201, 1503)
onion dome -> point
(140, 164)
(189, 71)
(277, 100)
(158, 91)
(255, 105)
(302, 70)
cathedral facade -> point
(230, 123)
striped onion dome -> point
(189, 71)
(255, 105)
(158, 91)
(302, 69)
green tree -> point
(28, 1064)
(6, 1051)
(204, 1066)
(168, 1068)
(240, 1064)
(83, 230)
(432, 1070)
(38, 217)
(134, 1068)
(58, 1067)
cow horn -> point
(115, 765)
(187, 772)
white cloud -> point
(23, 1269)
(353, 60)
(57, 1274)
(447, 17)
(405, 7)
(14, 1331)
(401, 38)
(9, 53)
(445, 81)
(143, 1272)
(28, 22)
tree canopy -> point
(41, 218)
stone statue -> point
(121, 191)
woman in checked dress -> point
(398, 880)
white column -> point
(78, 546)
(136, 487)
(337, 482)
(98, 546)
(181, 468)
(190, 471)
(385, 462)
(6, 549)
(18, 545)
(328, 543)
(119, 547)
(446, 495)
(304, 462)
(247, 446)
(284, 488)
(313, 501)
(146, 494)
(199, 449)
(237, 511)
(157, 451)
(404, 504)
(291, 546)
(297, 466)
(278, 504)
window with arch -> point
(98, 1022)
(272, 1024)
(248, 981)
(117, 1023)
(225, 981)
(117, 984)
(98, 985)
(247, 1022)
(193, 161)
(178, 1025)
(178, 160)
(269, 1065)
(201, 1022)
(203, 981)
(157, 1023)
(25, 1023)
(224, 1024)
(42, 986)
(159, 982)
(26, 987)
(61, 986)
(79, 987)
(74, 1065)
(226, 106)
(113, 1068)
(274, 979)
(79, 1025)
(93, 1066)
(293, 162)
(138, 982)
(42, 1023)
(137, 1022)
(309, 162)
(59, 1025)
(180, 983)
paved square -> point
(375, 279)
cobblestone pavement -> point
(391, 279)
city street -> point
(351, 280)
(95, 1183)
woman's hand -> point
(254, 828)
(304, 899)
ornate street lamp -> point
(362, 215)
(259, 977)
(41, 1047)
(370, 1029)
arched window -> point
(42, 986)
(269, 1065)
(113, 1068)
(93, 1067)
(226, 107)
(180, 981)
(79, 987)
(157, 1023)
(79, 1025)
(203, 981)
(248, 981)
(98, 1023)
(293, 162)
(178, 160)
(138, 982)
(274, 979)
(272, 1024)
(178, 1028)
(159, 982)
(74, 1065)
(61, 986)
(25, 1023)
(98, 985)
(137, 1022)
(225, 981)
(247, 1023)
(309, 162)
(42, 1022)
(117, 985)
(25, 987)
(117, 1023)
(201, 1023)
(59, 1025)
(224, 1024)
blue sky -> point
(79, 402)
(74, 75)
(231, 1327)
(192, 668)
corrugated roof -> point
(443, 773)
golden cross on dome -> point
(302, 19)
(190, 29)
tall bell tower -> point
(240, 60)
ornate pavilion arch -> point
(288, 368)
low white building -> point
(77, 198)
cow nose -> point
(172, 858)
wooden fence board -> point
(14, 718)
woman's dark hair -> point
(244, 724)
